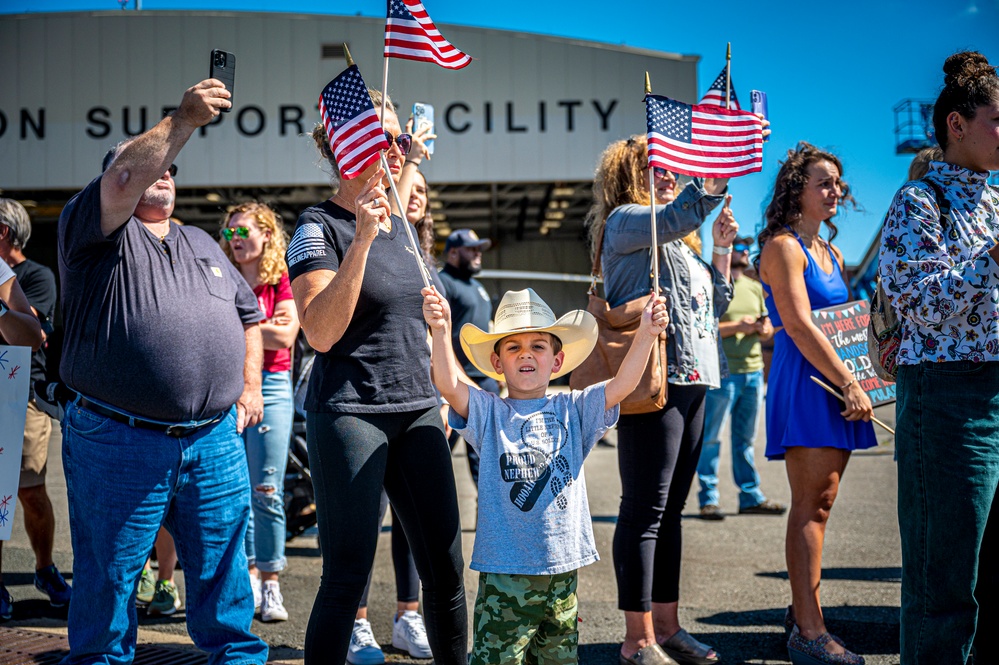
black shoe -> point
(766, 507)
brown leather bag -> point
(617, 327)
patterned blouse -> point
(942, 282)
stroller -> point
(299, 496)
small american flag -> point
(703, 140)
(352, 125)
(715, 95)
(411, 35)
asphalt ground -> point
(733, 589)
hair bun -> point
(962, 69)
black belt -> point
(177, 431)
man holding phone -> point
(743, 326)
(163, 352)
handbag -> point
(884, 332)
(616, 329)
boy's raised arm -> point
(437, 314)
(654, 321)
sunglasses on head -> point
(235, 232)
(404, 141)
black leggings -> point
(657, 455)
(407, 580)
(352, 456)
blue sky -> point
(832, 71)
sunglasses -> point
(236, 232)
(173, 170)
(740, 248)
(404, 141)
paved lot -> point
(733, 590)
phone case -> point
(423, 116)
(222, 66)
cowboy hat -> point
(524, 311)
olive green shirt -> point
(743, 351)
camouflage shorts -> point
(525, 619)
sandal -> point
(813, 652)
(687, 650)
(650, 655)
(789, 624)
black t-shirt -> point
(153, 328)
(381, 364)
(39, 286)
(469, 303)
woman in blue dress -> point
(808, 428)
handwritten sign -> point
(15, 372)
(845, 326)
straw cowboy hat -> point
(524, 311)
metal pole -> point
(417, 254)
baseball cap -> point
(466, 238)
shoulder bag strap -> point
(942, 203)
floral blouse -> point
(942, 282)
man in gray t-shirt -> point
(163, 350)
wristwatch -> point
(3, 307)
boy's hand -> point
(655, 318)
(436, 311)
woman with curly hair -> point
(939, 270)
(808, 428)
(253, 238)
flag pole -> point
(384, 89)
(652, 207)
(417, 253)
(728, 76)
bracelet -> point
(721, 251)
(413, 162)
(848, 384)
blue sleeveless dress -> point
(799, 412)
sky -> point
(832, 71)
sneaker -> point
(258, 592)
(166, 600)
(49, 581)
(410, 635)
(146, 588)
(364, 650)
(272, 605)
(6, 604)
(712, 513)
(765, 507)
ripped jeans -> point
(267, 457)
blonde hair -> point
(921, 162)
(272, 264)
(619, 180)
(322, 140)
(693, 241)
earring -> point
(960, 138)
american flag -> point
(703, 140)
(411, 35)
(716, 93)
(352, 125)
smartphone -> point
(423, 116)
(223, 68)
(758, 99)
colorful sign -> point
(845, 326)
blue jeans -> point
(267, 458)
(947, 438)
(122, 483)
(742, 396)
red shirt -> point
(268, 296)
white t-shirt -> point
(5, 272)
(534, 517)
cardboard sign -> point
(845, 326)
(15, 374)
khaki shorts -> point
(35, 455)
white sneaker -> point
(272, 606)
(364, 650)
(257, 592)
(409, 634)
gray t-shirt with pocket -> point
(534, 518)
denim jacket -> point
(626, 264)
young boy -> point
(534, 528)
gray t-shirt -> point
(153, 328)
(534, 518)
